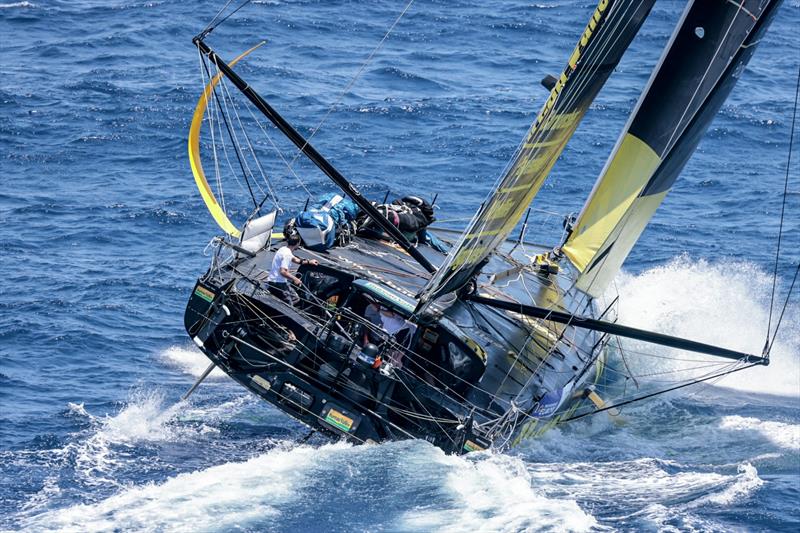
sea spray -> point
(725, 304)
(189, 360)
(280, 488)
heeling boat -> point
(499, 339)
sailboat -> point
(475, 339)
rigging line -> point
(216, 123)
(352, 81)
(206, 29)
(413, 360)
(611, 368)
(767, 345)
(548, 350)
(247, 171)
(233, 140)
(347, 382)
(446, 434)
(355, 318)
(785, 304)
(706, 385)
(227, 97)
(277, 150)
(210, 28)
(267, 182)
(646, 396)
(236, 145)
(212, 127)
(625, 362)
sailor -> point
(393, 323)
(280, 276)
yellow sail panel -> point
(619, 244)
(692, 80)
(194, 155)
(629, 170)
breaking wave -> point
(783, 435)
(399, 486)
(726, 304)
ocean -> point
(102, 233)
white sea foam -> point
(492, 493)
(784, 435)
(145, 418)
(726, 304)
(219, 498)
(17, 4)
(478, 493)
(742, 486)
(189, 360)
(661, 492)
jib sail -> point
(708, 50)
(608, 34)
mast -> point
(311, 153)
(610, 30)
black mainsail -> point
(608, 34)
(708, 50)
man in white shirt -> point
(280, 278)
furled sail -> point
(611, 28)
(710, 47)
(210, 200)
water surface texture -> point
(102, 232)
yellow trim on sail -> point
(629, 171)
(194, 155)
(623, 238)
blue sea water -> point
(102, 232)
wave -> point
(783, 435)
(17, 4)
(726, 304)
(398, 486)
(110, 443)
(493, 492)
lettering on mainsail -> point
(610, 30)
(710, 46)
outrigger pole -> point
(604, 326)
(309, 151)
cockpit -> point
(376, 320)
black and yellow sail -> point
(610, 30)
(710, 47)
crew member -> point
(280, 278)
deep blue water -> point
(102, 232)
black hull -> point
(318, 380)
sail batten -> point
(710, 46)
(610, 30)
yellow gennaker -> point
(194, 155)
